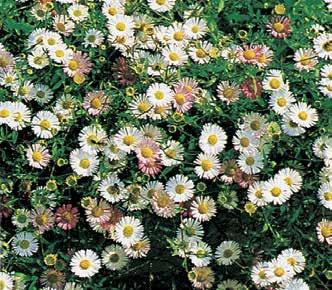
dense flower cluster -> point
(160, 140)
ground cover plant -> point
(165, 144)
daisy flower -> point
(207, 166)
(201, 277)
(7, 60)
(151, 188)
(6, 281)
(176, 34)
(254, 123)
(212, 139)
(92, 139)
(200, 254)
(279, 271)
(98, 212)
(96, 102)
(182, 99)
(93, 38)
(229, 284)
(121, 25)
(294, 258)
(38, 59)
(180, 188)
(112, 189)
(67, 217)
(38, 156)
(255, 194)
(250, 163)
(280, 101)
(83, 163)
(139, 249)
(159, 94)
(244, 141)
(275, 191)
(324, 231)
(227, 253)
(203, 208)
(42, 219)
(78, 64)
(228, 171)
(265, 56)
(20, 218)
(172, 154)
(85, 263)
(150, 167)
(323, 45)
(190, 230)
(60, 53)
(114, 257)
(320, 146)
(326, 71)
(140, 107)
(6, 113)
(147, 150)
(51, 39)
(325, 87)
(162, 204)
(273, 81)
(127, 138)
(25, 244)
(258, 274)
(303, 115)
(305, 59)
(174, 55)
(200, 52)
(291, 178)
(128, 231)
(325, 195)
(279, 27)
(152, 132)
(296, 284)
(291, 128)
(195, 28)
(21, 116)
(78, 12)
(228, 92)
(62, 24)
(42, 94)
(45, 124)
(248, 54)
(112, 8)
(161, 5)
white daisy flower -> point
(112, 151)
(207, 166)
(172, 154)
(176, 34)
(6, 113)
(325, 87)
(325, 195)
(92, 139)
(38, 156)
(245, 141)
(274, 81)
(60, 53)
(212, 139)
(127, 138)
(112, 8)
(121, 25)
(128, 231)
(294, 258)
(114, 257)
(227, 253)
(291, 128)
(326, 71)
(323, 45)
(296, 284)
(140, 107)
(83, 163)
(203, 208)
(78, 12)
(250, 163)
(278, 271)
(303, 115)
(42, 94)
(280, 101)
(275, 191)
(200, 52)
(159, 94)
(190, 230)
(305, 59)
(290, 178)
(161, 5)
(93, 38)
(180, 188)
(320, 145)
(139, 249)
(200, 254)
(112, 189)
(195, 28)
(85, 263)
(25, 244)
(174, 55)
(255, 194)
(258, 274)
(38, 58)
(6, 281)
(45, 124)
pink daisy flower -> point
(182, 99)
(38, 156)
(80, 64)
(190, 85)
(66, 217)
(249, 54)
(252, 88)
(147, 150)
(95, 102)
(279, 27)
(150, 167)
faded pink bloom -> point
(79, 64)
(96, 102)
(252, 88)
(66, 217)
(182, 99)
(147, 150)
(249, 54)
(151, 167)
(279, 27)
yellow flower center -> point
(255, 125)
(281, 102)
(159, 95)
(128, 231)
(259, 193)
(276, 191)
(159, 109)
(42, 219)
(261, 274)
(278, 27)
(303, 115)
(77, 13)
(85, 163)
(213, 139)
(279, 272)
(280, 9)
(97, 211)
(161, 2)
(250, 161)
(305, 60)
(328, 196)
(291, 261)
(37, 156)
(138, 246)
(244, 141)
(4, 113)
(121, 26)
(173, 56)
(45, 124)
(228, 93)
(328, 46)
(275, 83)
(288, 181)
(171, 153)
(163, 200)
(51, 41)
(249, 54)
(206, 164)
(203, 208)
(112, 11)
(18, 117)
(180, 98)
(85, 264)
(195, 29)
(179, 189)
(147, 152)
(96, 103)
(73, 64)
(200, 53)
(59, 53)
(326, 231)
(178, 36)
(143, 107)
(61, 27)
(129, 140)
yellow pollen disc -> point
(79, 78)
(18, 117)
(259, 193)
(85, 264)
(281, 102)
(328, 46)
(262, 274)
(85, 163)
(279, 272)
(250, 161)
(59, 53)
(159, 109)
(291, 261)
(203, 208)
(244, 141)
(37, 156)
(173, 56)
(112, 11)
(228, 93)
(159, 95)
(143, 107)
(61, 27)
(180, 98)
(179, 189)
(249, 54)
(200, 53)
(213, 139)
(278, 27)
(326, 231)
(206, 165)
(77, 13)
(328, 196)
(275, 83)
(73, 64)
(147, 152)
(255, 125)
(97, 211)
(178, 36)
(128, 231)
(129, 140)
(96, 103)
(4, 113)
(161, 2)
(276, 191)
(51, 41)
(45, 124)
(163, 200)
(121, 26)
(171, 153)
(288, 181)
(42, 219)
(305, 60)
(195, 29)
(303, 115)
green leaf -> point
(221, 5)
